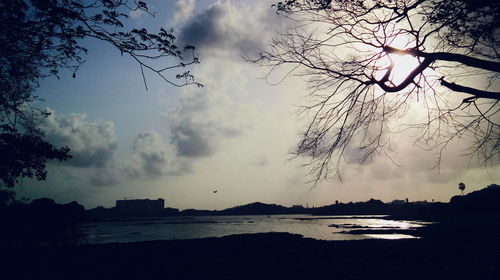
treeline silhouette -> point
(460, 246)
(40, 222)
(485, 201)
(45, 222)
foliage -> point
(7, 197)
(461, 187)
(25, 155)
(39, 38)
(349, 50)
(41, 222)
(471, 25)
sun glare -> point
(403, 65)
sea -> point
(317, 227)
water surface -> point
(317, 227)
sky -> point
(235, 135)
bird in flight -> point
(215, 191)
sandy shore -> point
(452, 250)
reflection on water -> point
(318, 227)
(390, 236)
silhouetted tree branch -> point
(348, 51)
(38, 38)
(476, 92)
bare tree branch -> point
(347, 51)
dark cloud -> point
(152, 158)
(203, 30)
(91, 144)
(193, 140)
(199, 123)
(206, 117)
(199, 139)
(224, 25)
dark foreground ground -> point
(457, 248)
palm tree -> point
(461, 187)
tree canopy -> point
(39, 38)
(461, 187)
(371, 63)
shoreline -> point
(259, 256)
(321, 228)
(446, 225)
(453, 249)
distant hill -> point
(257, 208)
(486, 200)
(372, 206)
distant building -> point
(140, 207)
(420, 202)
(398, 201)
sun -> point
(403, 64)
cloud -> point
(136, 14)
(91, 144)
(199, 139)
(152, 157)
(260, 161)
(193, 139)
(106, 176)
(183, 11)
(227, 26)
(225, 30)
(195, 131)
(205, 117)
(191, 133)
(222, 32)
